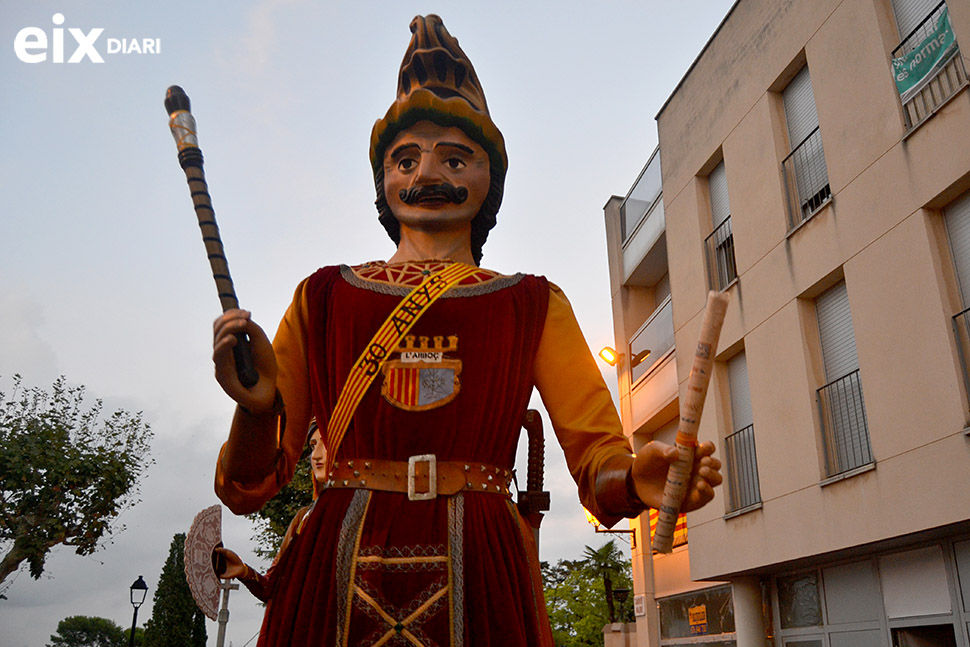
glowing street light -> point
(614, 357)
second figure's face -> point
(435, 178)
(318, 457)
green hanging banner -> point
(916, 68)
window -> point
(742, 461)
(721, 269)
(699, 618)
(840, 603)
(845, 433)
(956, 217)
(902, 599)
(799, 601)
(910, 13)
(806, 177)
(926, 64)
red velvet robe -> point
(372, 567)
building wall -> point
(881, 233)
(649, 406)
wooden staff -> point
(182, 124)
(691, 405)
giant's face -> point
(435, 177)
(318, 457)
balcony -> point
(642, 227)
(641, 198)
(928, 68)
(653, 382)
(845, 432)
(655, 335)
(806, 179)
(719, 247)
(744, 489)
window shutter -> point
(717, 185)
(910, 13)
(835, 331)
(800, 108)
(957, 218)
(740, 392)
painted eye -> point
(455, 163)
(406, 164)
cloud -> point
(261, 38)
(23, 348)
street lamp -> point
(610, 356)
(593, 521)
(621, 595)
(614, 357)
(138, 592)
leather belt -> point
(422, 476)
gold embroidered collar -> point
(398, 278)
(412, 273)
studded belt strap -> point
(421, 477)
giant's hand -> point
(227, 564)
(650, 474)
(258, 398)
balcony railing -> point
(743, 486)
(845, 432)
(721, 269)
(961, 329)
(806, 179)
(641, 198)
(928, 67)
(655, 335)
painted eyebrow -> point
(403, 147)
(460, 147)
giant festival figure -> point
(423, 367)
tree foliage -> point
(176, 619)
(274, 517)
(88, 631)
(66, 473)
(576, 599)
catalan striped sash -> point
(384, 342)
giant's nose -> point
(428, 172)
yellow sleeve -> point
(292, 380)
(579, 404)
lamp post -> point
(593, 521)
(607, 582)
(138, 592)
(621, 595)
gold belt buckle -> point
(432, 492)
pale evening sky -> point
(104, 277)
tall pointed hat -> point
(438, 83)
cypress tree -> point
(176, 619)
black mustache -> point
(449, 192)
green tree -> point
(608, 562)
(576, 599)
(66, 473)
(176, 619)
(88, 631)
(272, 520)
